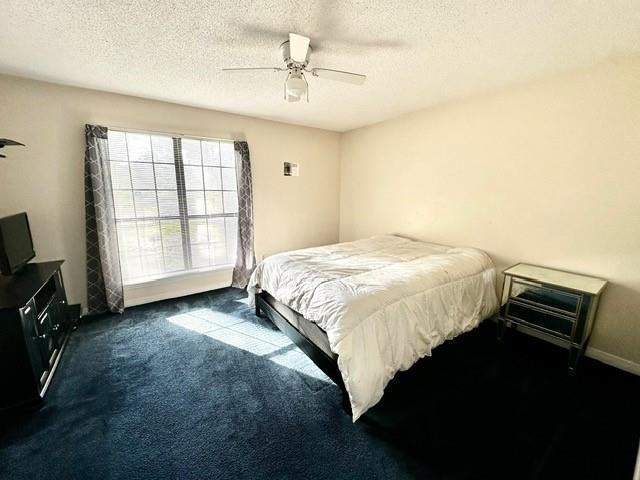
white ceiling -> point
(415, 53)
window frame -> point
(183, 216)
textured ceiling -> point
(415, 53)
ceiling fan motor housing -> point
(286, 55)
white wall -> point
(546, 173)
(45, 178)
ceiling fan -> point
(296, 53)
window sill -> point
(171, 278)
(186, 283)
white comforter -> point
(384, 302)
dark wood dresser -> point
(34, 329)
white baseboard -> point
(613, 360)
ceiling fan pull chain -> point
(307, 84)
(284, 87)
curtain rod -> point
(165, 134)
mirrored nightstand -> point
(554, 303)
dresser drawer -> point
(541, 296)
(33, 340)
(538, 317)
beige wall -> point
(547, 173)
(46, 178)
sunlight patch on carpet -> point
(243, 342)
(296, 360)
(250, 337)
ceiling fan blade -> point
(339, 75)
(251, 69)
(298, 47)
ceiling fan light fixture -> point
(296, 86)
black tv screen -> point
(16, 244)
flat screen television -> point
(16, 243)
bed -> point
(364, 310)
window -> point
(176, 204)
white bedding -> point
(384, 302)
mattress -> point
(384, 302)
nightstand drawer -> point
(538, 317)
(541, 296)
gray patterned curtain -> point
(245, 258)
(104, 279)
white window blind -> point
(176, 204)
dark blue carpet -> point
(201, 388)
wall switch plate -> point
(291, 169)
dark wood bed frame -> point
(324, 362)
